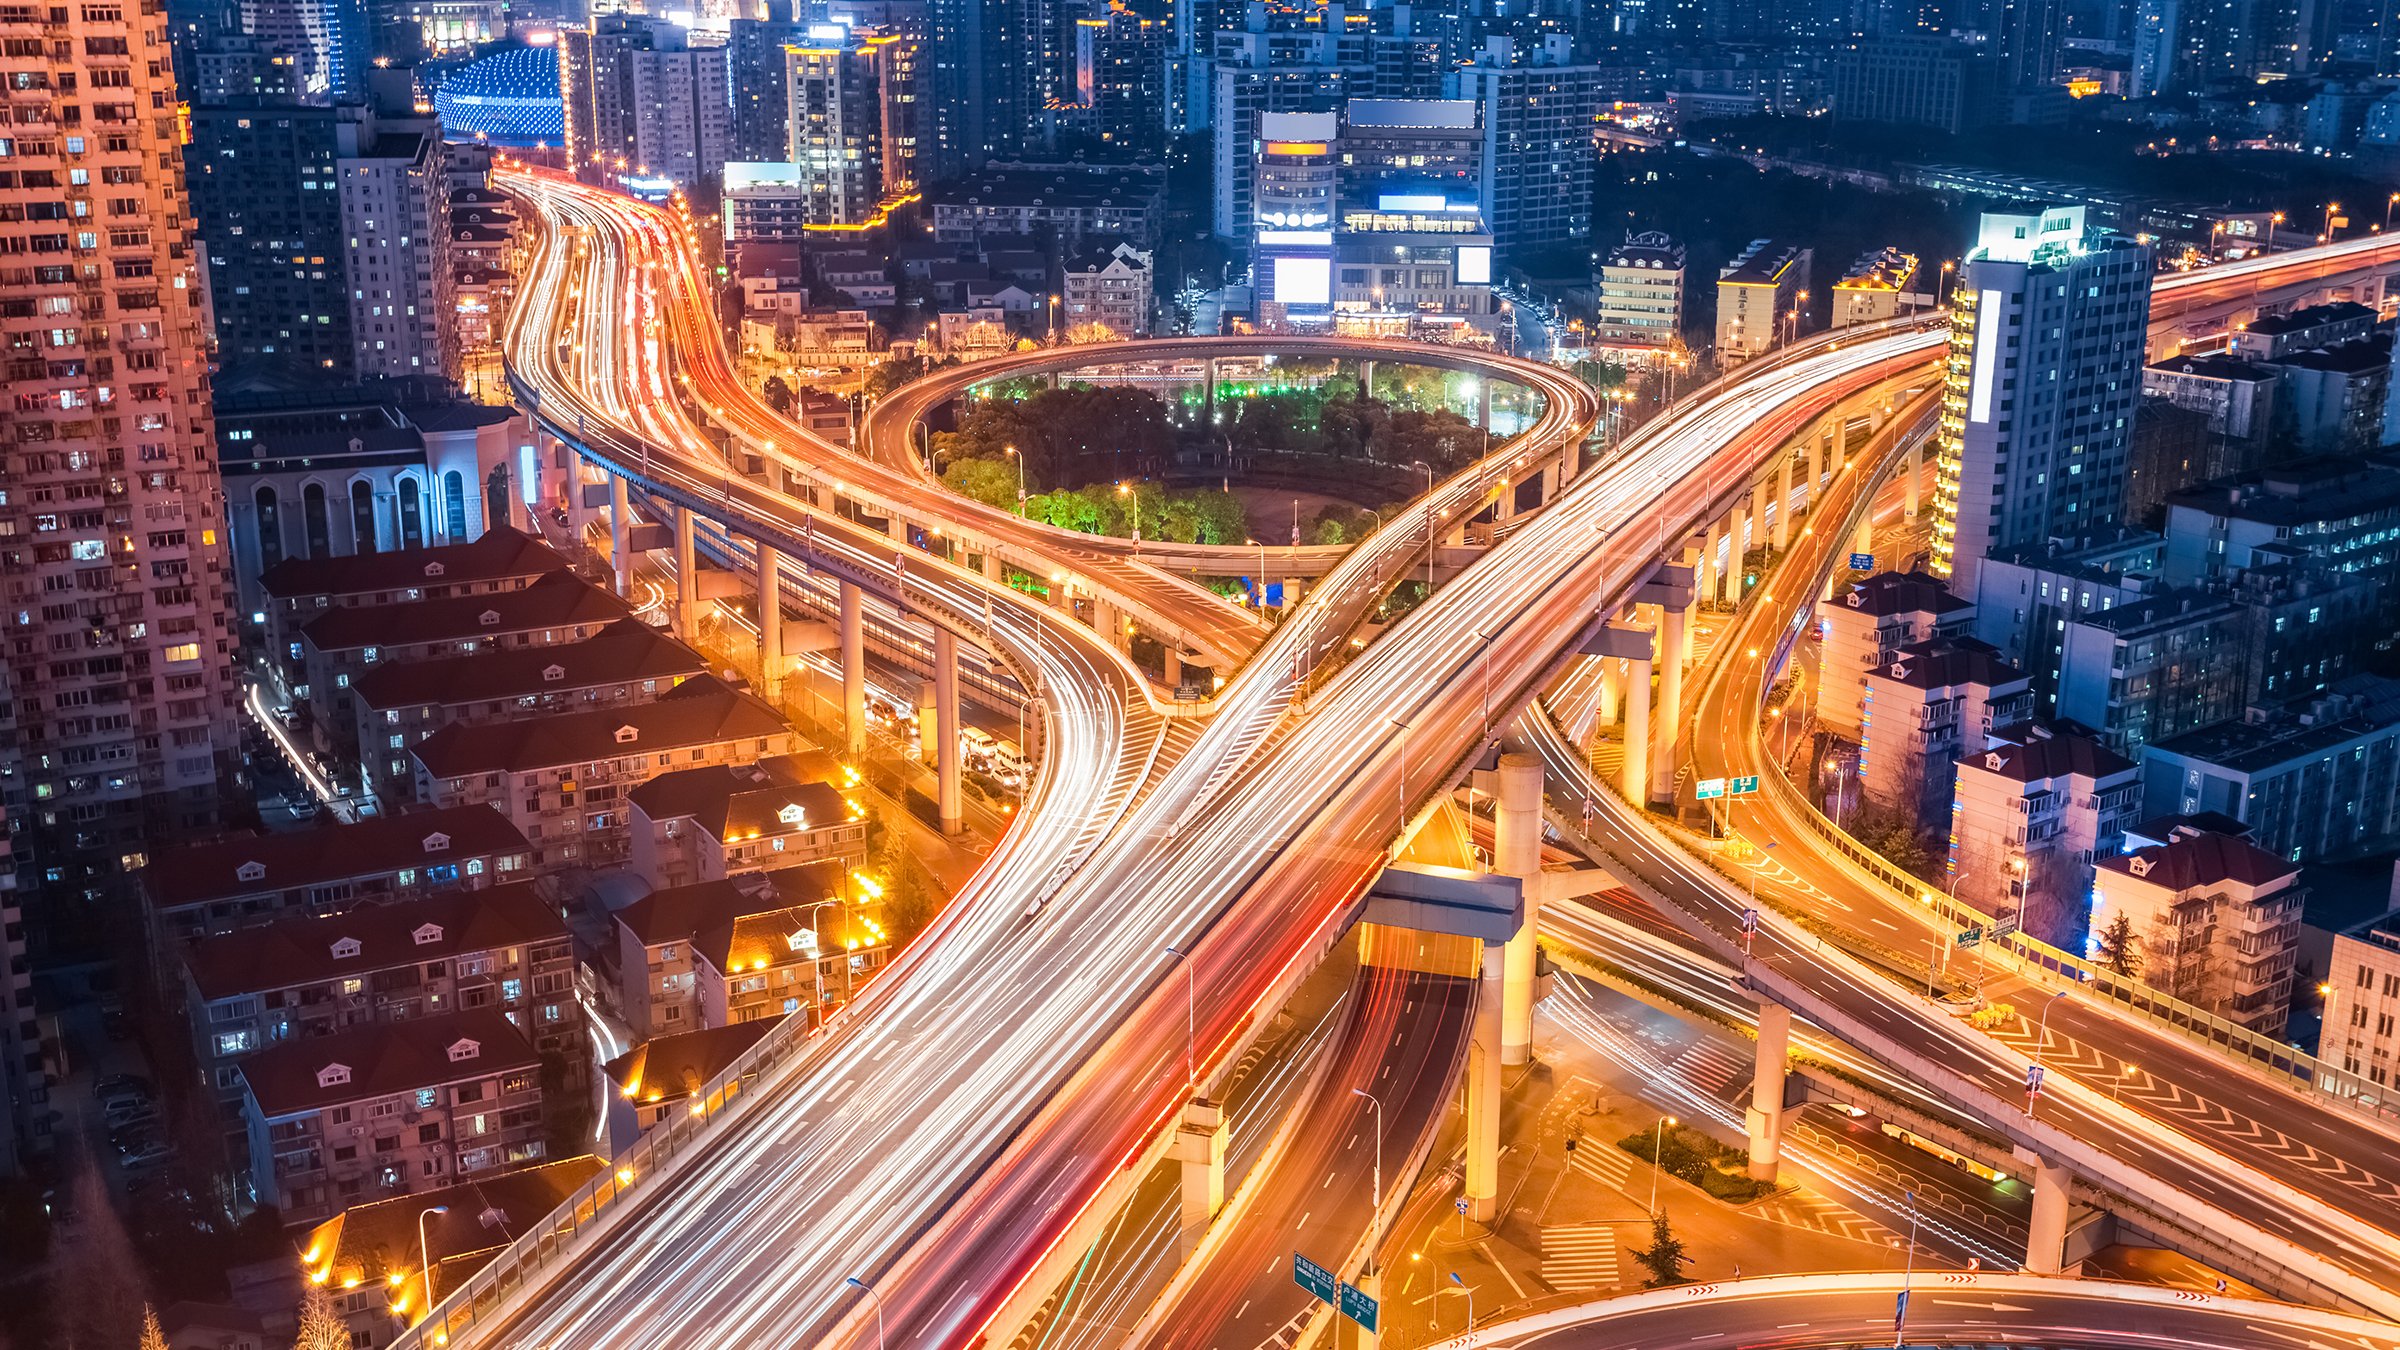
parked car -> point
(132, 1135)
(121, 1084)
(154, 1151)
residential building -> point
(111, 527)
(370, 1258)
(2154, 668)
(310, 975)
(398, 704)
(2271, 337)
(654, 1079)
(646, 109)
(2026, 597)
(2034, 808)
(1915, 81)
(1873, 620)
(1758, 298)
(391, 1108)
(1110, 286)
(301, 586)
(330, 42)
(323, 478)
(562, 779)
(343, 643)
(853, 111)
(2333, 399)
(2361, 1030)
(1929, 704)
(326, 230)
(800, 940)
(1641, 296)
(2173, 450)
(329, 867)
(24, 1081)
(2048, 328)
(1071, 207)
(2214, 921)
(1538, 110)
(2237, 395)
(2317, 780)
(1875, 288)
(2341, 513)
(1254, 75)
(1125, 74)
(239, 68)
(710, 823)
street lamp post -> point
(1403, 726)
(1011, 452)
(2041, 1036)
(2330, 208)
(1428, 468)
(1487, 683)
(1375, 1225)
(1468, 1290)
(869, 1290)
(1191, 1020)
(1658, 1158)
(425, 1253)
(1908, 1273)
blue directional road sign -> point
(1314, 1278)
(2033, 1080)
(1709, 789)
(1741, 787)
(1358, 1307)
(1969, 937)
(1862, 562)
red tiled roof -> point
(670, 1068)
(625, 650)
(1888, 593)
(705, 913)
(745, 797)
(303, 950)
(700, 711)
(500, 553)
(383, 1238)
(2028, 758)
(384, 1058)
(331, 851)
(559, 600)
(2202, 859)
(1944, 662)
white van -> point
(976, 746)
(1010, 765)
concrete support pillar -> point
(1671, 632)
(1864, 540)
(1172, 669)
(1200, 1147)
(1758, 512)
(1366, 378)
(687, 575)
(1783, 502)
(1729, 588)
(854, 667)
(1517, 852)
(1612, 689)
(1483, 404)
(1837, 437)
(1765, 1117)
(1634, 782)
(946, 729)
(1483, 1092)
(991, 565)
(1912, 475)
(2046, 1229)
(1208, 391)
(1816, 466)
(1705, 578)
(620, 528)
(770, 623)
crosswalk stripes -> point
(1580, 1257)
(1602, 1162)
(1709, 1066)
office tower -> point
(2047, 334)
(112, 541)
(1409, 145)
(1298, 182)
(1244, 89)
(756, 72)
(645, 108)
(1537, 116)
(325, 230)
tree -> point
(992, 482)
(779, 395)
(154, 1337)
(2118, 947)
(908, 900)
(1665, 1257)
(321, 1328)
(1084, 334)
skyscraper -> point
(2047, 333)
(112, 536)
(762, 108)
(1538, 111)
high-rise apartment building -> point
(757, 69)
(326, 230)
(2047, 333)
(1915, 81)
(852, 121)
(329, 42)
(645, 108)
(112, 535)
(1538, 111)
